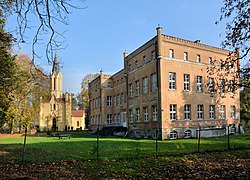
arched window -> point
(173, 135)
(187, 134)
(78, 123)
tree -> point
(48, 14)
(238, 34)
(245, 106)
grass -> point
(82, 146)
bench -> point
(60, 136)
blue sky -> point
(98, 35)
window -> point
(114, 100)
(154, 113)
(198, 58)
(153, 82)
(152, 55)
(200, 111)
(54, 106)
(187, 112)
(122, 98)
(186, 82)
(212, 112)
(210, 61)
(222, 64)
(109, 85)
(129, 68)
(211, 85)
(173, 135)
(145, 85)
(118, 119)
(136, 63)
(171, 53)
(109, 118)
(233, 111)
(172, 80)
(233, 130)
(77, 123)
(115, 119)
(199, 83)
(118, 99)
(185, 56)
(223, 112)
(137, 88)
(131, 115)
(231, 86)
(109, 100)
(137, 115)
(188, 134)
(145, 109)
(172, 111)
(144, 59)
(130, 90)
(222, 85)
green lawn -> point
(82, 146)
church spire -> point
(56, 67)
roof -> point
(77, 113)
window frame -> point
(173, 112)
(187, 111)
(200, 112)
(211, 112)
(172, 80)
(186, 82)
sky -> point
(98, 35)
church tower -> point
(56, 79)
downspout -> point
(125, 54)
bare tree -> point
(48, 14)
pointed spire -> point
(56, 67)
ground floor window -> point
(173, 135)
(78, 123)
(187, 134)
(233, 130)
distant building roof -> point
(77, 113)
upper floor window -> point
(172, 80)
(211, 85)
(222, 86)
(154, 113)
(223, 112)
(145, 85)
(122, 98)
(173, 111)
(137, 115)
(200, 111)
(185, 56)
(233, 111)
(131, 115)
(129, 68)
(153, 82)
(136, 63)
(130, 90)
(171, 53)
(152, 55)
(109, 100)
(212, 112)
(187, 112)
(144, 59)
(198, 58)
(137, 88)
(109, 85)
(118, 99)
(210, 61)
(199, 83)
(186, 82)
(145, 109)
(231, 86)
(114, 100)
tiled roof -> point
(77, 113)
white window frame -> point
(187, 111)
(109, 100)
(188, 134)
(130, 90)
(172, 112)
(145, 85)
(131, 115)
(223, 112)
(199, 84)
(153, 82)
(222, 86)
(199, 111)
(186, 82)
(145, 109)
(137, 88)
(172, 80)
(211, 85)
(173, 135)
(211, 111)
(109, 85)
(109, 119)
(118, 99)
(233, 111)
(154, 113)
(198, 58)
(114, 100)
(231, 86)
(185, 56)
(122, 98)
(118, 119)
(210, 60)
(137, 114)
(171, 53)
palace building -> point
(56, 111)
(167, 89)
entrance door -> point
(54, 124)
